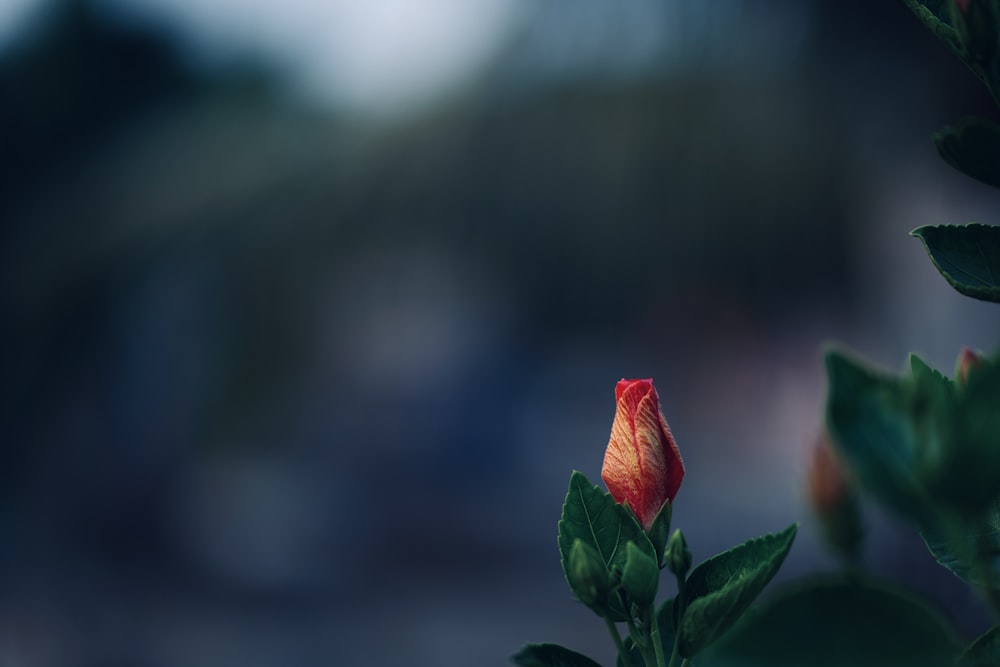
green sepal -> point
(550, 655)
(640, 576)
(968, 256)
(659, 532)
(983, 652)
(593, 517)
(838, 621)
(719, 590)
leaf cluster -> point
(613, 567)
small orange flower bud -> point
(826, 482)
(642, 465)
(967, 360)
(834, 499)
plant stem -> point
(613, 629)
(654, 636)
(681, 580)
(640, 639)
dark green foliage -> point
(973, 148)
(968, 256)
(929, 449)
(723, 587)
(870, 418)
(550, 655)
(984, 652)
(593, 517)
(838, 622)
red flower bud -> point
(827, 482)
(963, 5)
(833, 497)
(642, 466)
(967, 360)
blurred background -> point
(310, 308)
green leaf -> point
(869, 417)
(723, 587)
(968, 256)
(593, 517)
(838, 622)
(932, 415)
(641, 575)
(984, 652)
(550, 655)
(959, 433)
(973, 148)
(934, 379)
(962, 554)
(935, 14)
(968, 546)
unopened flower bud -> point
(833, 497)
(967, 360)
(588, 576)
(640, 576)
(678, 555)
(642, 466)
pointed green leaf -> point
(973, 148)
(723, 587)
(869, 417)
(934, 379)
(968, 256)
(935, 15)
(592, 516)
(969, 546)
(838, 622)
(550, 655)
(984, 652)
(973, 557)
(932, 416)
(959, 435)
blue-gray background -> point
(308, 311)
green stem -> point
(654, 636)
(675, 654)
(613, 629)
(639, 638)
